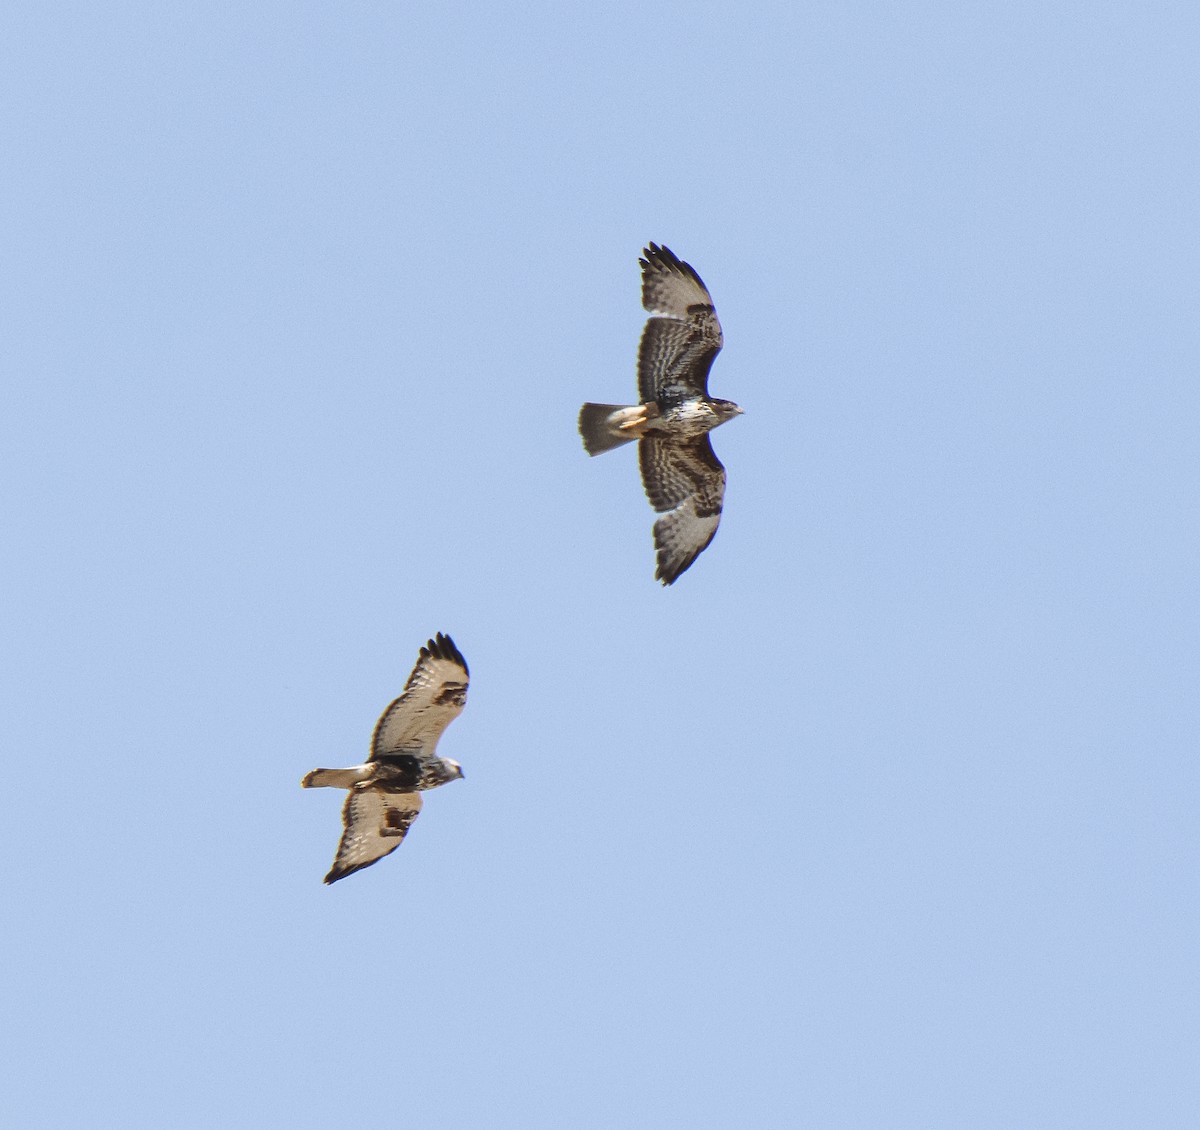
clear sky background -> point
(884, 816)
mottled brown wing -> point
(433, 697)
(375, 823)
(682, 335)
(685, 482)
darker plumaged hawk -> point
(684, 479)
(385, 793)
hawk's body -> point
(683, 477)
(385, 792)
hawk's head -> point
(453, 769)
(725, 410)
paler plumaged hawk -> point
(385, 792)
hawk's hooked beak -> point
(460, 772)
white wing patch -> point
(375, 825)
(680, 537)
(433, 697)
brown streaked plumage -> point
(684, 479)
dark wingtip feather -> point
(336, 873)
(442, 647)
(669, 572)
(653, 253)
(670, 576)
(662, 257)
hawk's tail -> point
(605, 426)
(333, 778)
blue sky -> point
(883, 816)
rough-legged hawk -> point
(684, 479)
(385, 793)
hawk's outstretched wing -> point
(433, 697)
(682, 335)
(685, 482)
(375, 823)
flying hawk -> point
(385, 793)
(684, 479)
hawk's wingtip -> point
(660, 259)
(443, 647)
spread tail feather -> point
(605, 426)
